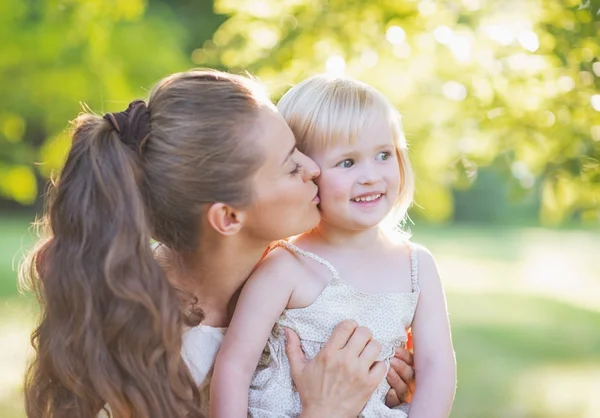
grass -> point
(505, 362)
(525, 317)
(15, 239)
(524, 311)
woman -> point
(209, 169)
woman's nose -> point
(310, 169)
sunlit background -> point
(501, 106)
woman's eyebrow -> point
(287, 157)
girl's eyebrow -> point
(382, 146)
(344, 154)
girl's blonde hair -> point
(325, 111)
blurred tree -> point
(56, 54)
(513, 84)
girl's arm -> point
(336, 384)
(264, 296)
(435, 365)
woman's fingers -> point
(377, 373)
(391, 399)
(294, 352)
(342, 376)
(401, 378)
(404, 370)
(340, 335)
(346, 370)
(358, 341)
(370, 353)
(396, 382)
(404, 355)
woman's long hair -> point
(110, 332)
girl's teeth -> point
(367, 198)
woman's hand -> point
(341, 378)
(401, 378)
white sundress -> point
(388, 316)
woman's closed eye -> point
(296, 169)
(347, 163)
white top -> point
(388, 315)
(272, 393)
(200, 346)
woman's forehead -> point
(274, 137)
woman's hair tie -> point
(132, 125)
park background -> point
(501, 106)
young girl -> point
(348, 267)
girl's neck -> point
(215, 274)
(348, 239)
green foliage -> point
(60, 54)
(512, 84)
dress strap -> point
(291, 247)
(414, 266)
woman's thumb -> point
(294, 352)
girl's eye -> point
(347, 163)
(384, 155)
(296, 169)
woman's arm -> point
(263, 298)
(435, 365)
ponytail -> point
(111, 324)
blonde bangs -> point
(326, 111)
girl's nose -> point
(370, 174)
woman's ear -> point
(224, 219)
